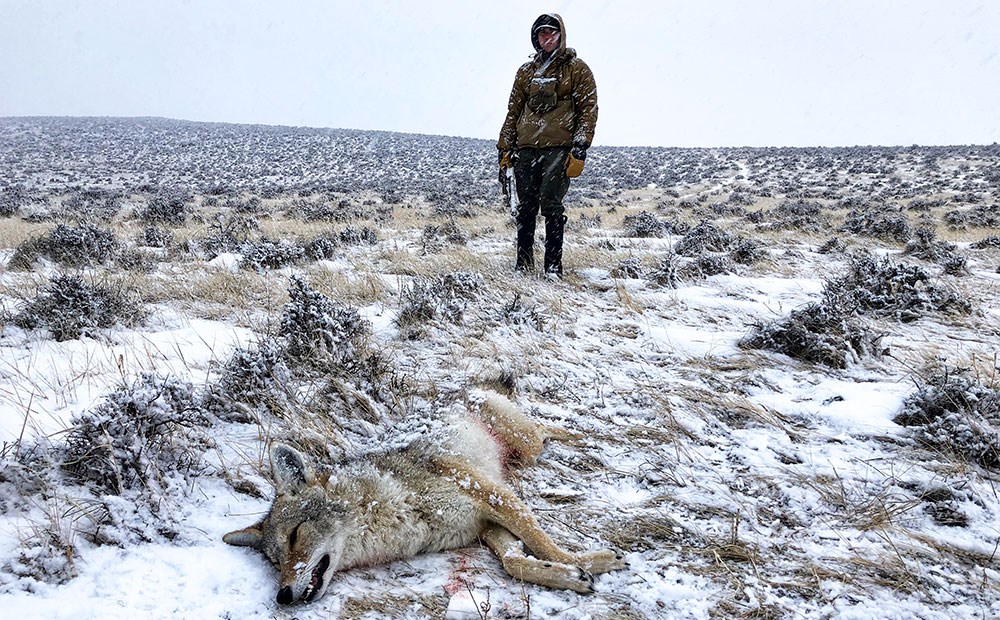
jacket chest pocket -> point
(542, 95)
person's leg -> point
(528, 179)
(552, 190)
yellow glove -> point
(574, 162)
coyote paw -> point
(603, 560)
(584, 582)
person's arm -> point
(585, 104)
(515, 105)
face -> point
(303, 543)
(548, 39)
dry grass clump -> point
(362, 288)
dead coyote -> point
(443, 490)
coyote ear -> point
(291, 473)
(247, 537)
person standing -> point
(551, 116)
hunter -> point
(550, 124)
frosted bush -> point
(818, 333)
(705, 237)
(70, 308)
(880, 288)
(270, 254)
(72, 246)
(953, 413)
(142, 438)
(318, 331)
(168, 205)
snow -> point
(760, 484)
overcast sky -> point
(669, 72)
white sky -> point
(669, 72)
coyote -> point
(442, 490)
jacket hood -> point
(552, 20)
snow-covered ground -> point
(738, 482)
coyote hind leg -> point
(546, 573)
(524, 437)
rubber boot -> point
(554, 227)
(525, 248)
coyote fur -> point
(442, 490)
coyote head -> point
(302, 534)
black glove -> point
(579, 152)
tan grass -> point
(362, 288)
(219, 293)
(15, 231)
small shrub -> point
(747, 252)
(71, 308)
(228, 233)
(795, 215)
(992, 241)
(446, 296)
(73, 246)
(667, 272)
(363, 236)
(253, 376)
(955, 414)
(955, 266)
(322, 248)
(139, 438)
(630, 268)
(96, 204)
(881, 288)
(708, 265)
(644, 225)
(169, 205)
(879, 223)
(705, 237)
(319, 332)
(433, 238)
(817, 333)
(12, 199)
(833, 246)
(156, 237)
(269, 254)
(926, 246)
(982, 216)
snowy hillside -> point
(783, 363)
